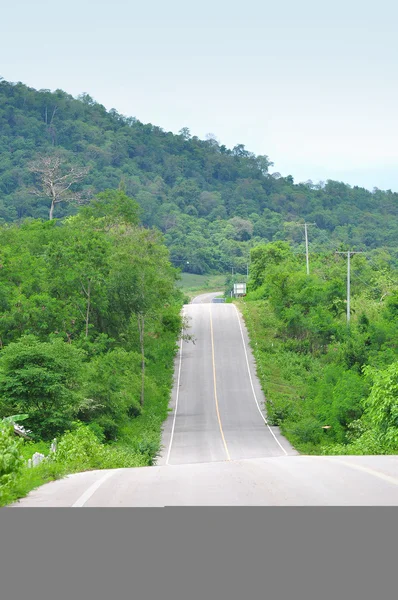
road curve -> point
(206, 298)
(217, 447)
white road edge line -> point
(176, 406)
(251, 382)
(93, 488)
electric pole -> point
(349, 253)
(307, 255)
(307, 259)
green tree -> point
(112, 390)
(113, 206)
(382, 403)
(42, 380)
(141, 282)
(78, 261)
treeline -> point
(213, 204)
(332, 387)
(89, 317)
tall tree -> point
(57, 181)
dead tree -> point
(56, 180)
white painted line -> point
(93, 488)
(251, 382)
(176, 406)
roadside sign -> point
(239, 289)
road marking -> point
(93, 488)
(176, 406)
(367, 470)
(215, 385)
(251, 383)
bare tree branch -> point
(56, 180)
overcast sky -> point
(311, 84)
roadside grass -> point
(192, 285)
(285, 376)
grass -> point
(280, 371)
(193, 285)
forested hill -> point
(212, 203)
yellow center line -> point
(215, 386)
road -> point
(217, 395)
(217, 447)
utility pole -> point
(349, 253)
(307, 259)
(307, 256)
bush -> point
(368, 444)
(41, 379)
(112, 388)
(11, 459)
(307, 431)
(80, 450)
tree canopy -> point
(88, 307)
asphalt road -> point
(217, 446)
(275, 481)
(217, 400)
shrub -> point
(112, 385)
(308, 431)
(41, 379)
(80, 450)
(11, 460)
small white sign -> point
(239, 288)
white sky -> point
(311, 84)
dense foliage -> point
(212, 203)
(89, 317)
(333, 388)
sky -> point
(311, 84)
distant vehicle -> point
(218, 300)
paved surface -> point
(217, 399)
(277, 481)
(205, 298)
(218, 448)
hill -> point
(212, 203)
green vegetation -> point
(332, 388)
(90, 304)
(213, 204)
(90, 315)
(193, 285)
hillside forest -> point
(211, 203)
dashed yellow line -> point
(215, 386)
